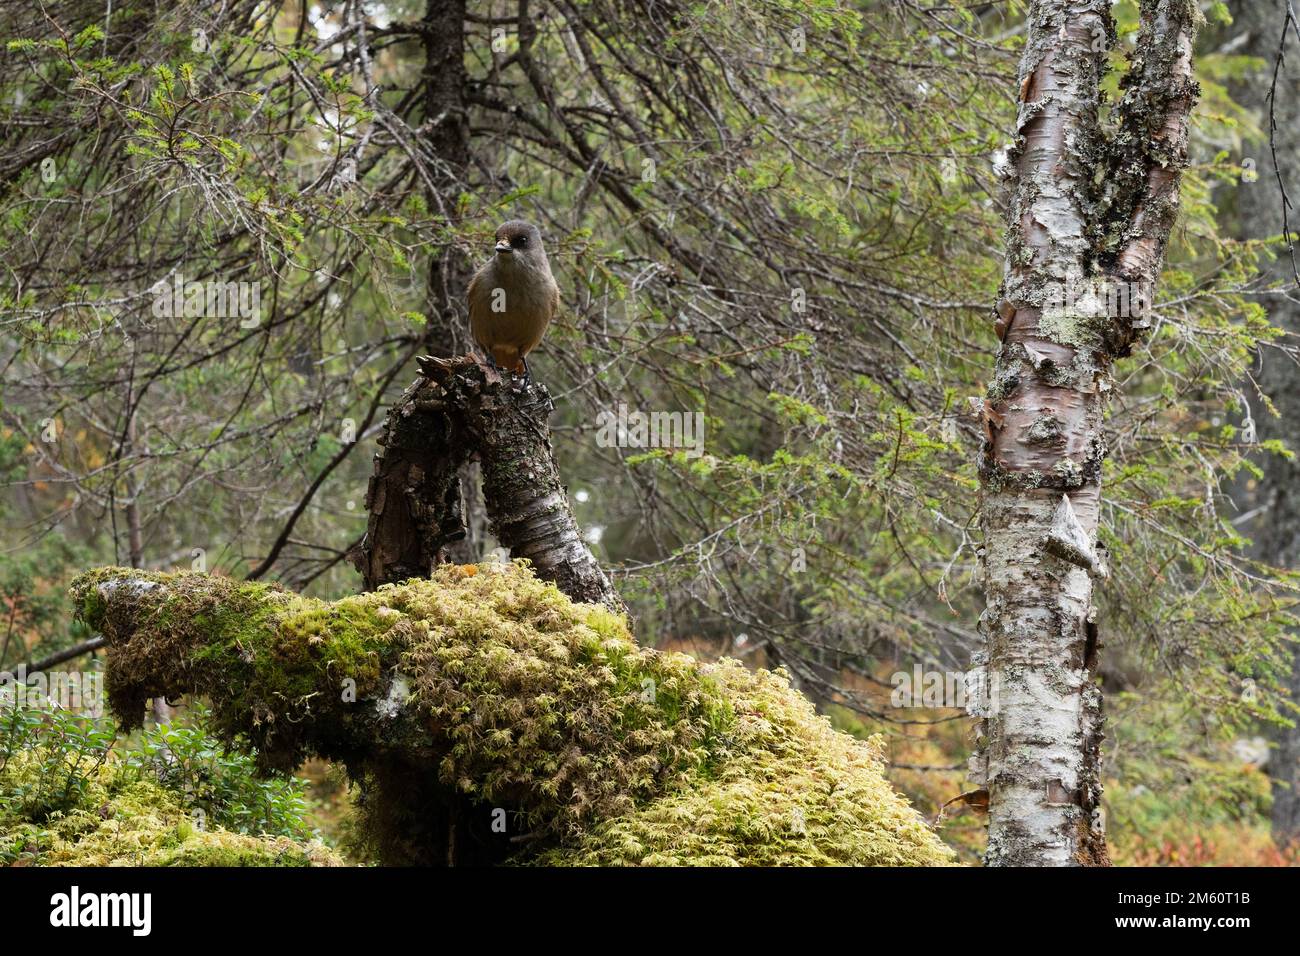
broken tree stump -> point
(460, 410)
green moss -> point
(283, 663)
(485, 693)
(791, 792)
(118, 820)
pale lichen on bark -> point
(1040, 466)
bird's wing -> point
(477, 297)
(471, 291)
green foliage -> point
(49, 759)
(1182, 779)
(186, 760)
(69, 797)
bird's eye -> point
(521, 241)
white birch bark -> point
(1089, 206)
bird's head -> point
(521, 242)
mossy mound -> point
(491, 719)
(794, 792)
(117, 819)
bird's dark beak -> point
(503, 246)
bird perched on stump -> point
(513, 298)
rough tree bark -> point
(1276, 528)
(1091, 209)
(456, 411)
(445, 135)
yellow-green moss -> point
(121, 821)
(795, 792)
(515, 701)
(548, 706)
(280, 661)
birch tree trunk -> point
(1091, 209)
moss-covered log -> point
(488, 718)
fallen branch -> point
(61, 657)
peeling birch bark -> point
(1070, 230)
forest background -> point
(785, 216)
